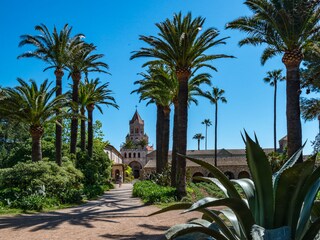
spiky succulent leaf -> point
(262, 177)
(232, 191)
(287, 195)
(183, 229)
(248, 188)
(238, 206)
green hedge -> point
(33, 186)
(151, 193)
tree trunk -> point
(83, 131)
(90, 129)
(166, 135)
(275, 117)
(206, 135)
(59, 74)
(292, 62)
(174, 146)
(198, 143)
(159, 138)
(216, 135)
(183, 77)
(74, 121)
(36, 134)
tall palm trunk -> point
(206, 135)
(216, 135)
(76, 76)
(174, 146)
(183, 77)
(292, 62)
(36, 134)
(275, 117)
(59, 74)
(159, 139)
(165, 135)
(83, 131)
(90, 129)
(198, 143)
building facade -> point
(136, 148)
(117, 162)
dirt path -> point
(115, 216)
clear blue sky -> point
(114, 27)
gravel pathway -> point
(117, 215)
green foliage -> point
(277, 160)
(284, 201)
(31, 186)
(163, 178)
(96, 170)
(151, 192)
(92, 191)
(128, 174)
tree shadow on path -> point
(113, 205)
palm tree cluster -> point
(181, 46)
(36, 106)
(287, 28)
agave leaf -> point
(289, 163)
(232, 218)
(315, 213)
(240, 209)
(182, 229)
(312, 231)
(178, 206)
(214, 217)
(215, 181)
(262, 177)
(248, 188)
(287, 201)
(201, 222)
(232, 191)
(308, 194)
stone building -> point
(117, 162)
(136, 147)
(230, 161)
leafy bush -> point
(92, 191)
(128, 174)
(25, 182)
(151, 192)
(96, 170)
(162, 179)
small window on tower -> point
(134, 155)
(129, 155)
(138, 155)
(137, 130)
(125, 155)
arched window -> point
(129, 155)
(134, 155)
(138, 155)
(125, 155)
(137, 130)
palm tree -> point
(54, 49)
(199, 137)
(215, 96)
(33, 106)
(81, 61)
(180, 46)
(159, 87)
(99, 94)
(208, 123)
(272, 78)
(287, 28)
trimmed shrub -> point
(151, 192)
(29, 182)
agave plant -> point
(279, 205)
